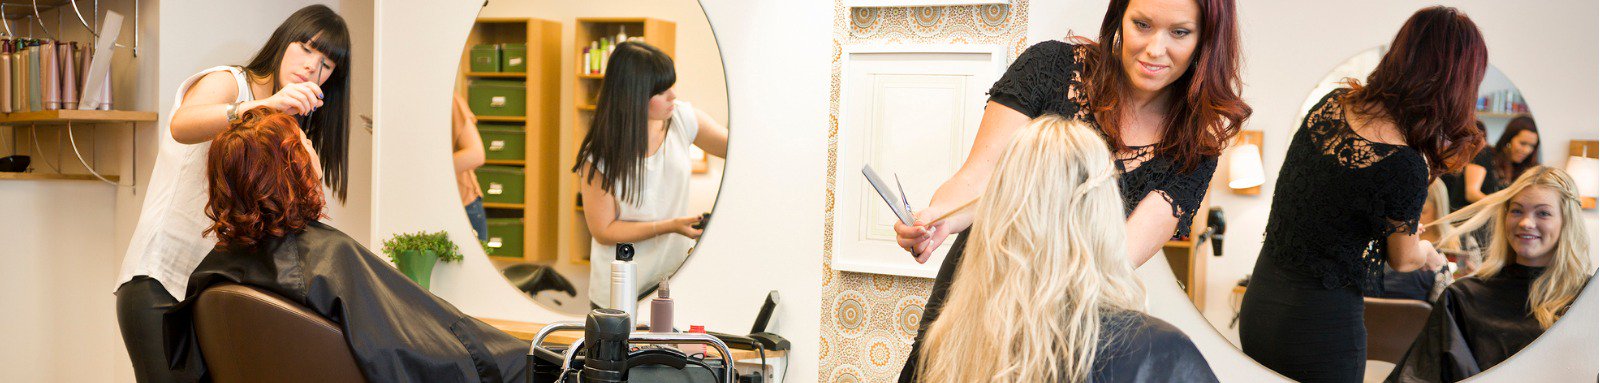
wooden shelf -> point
(503, 118)
(497, 74)
(506, 162)
(73, 115)
(589, 108)
(500, 205)
(53, 177)
(592, 76)
(503, 20)
(1499, 115)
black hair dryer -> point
(1216, 225)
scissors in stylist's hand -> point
(902, 194)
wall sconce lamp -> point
(1583, 166)
(1246, 173)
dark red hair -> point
(1206, 111)
(1427, 84)
(262, 182)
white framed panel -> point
(911, 111)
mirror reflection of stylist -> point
(634, 168)
(1516, 151)
(300, 70)
(1161, 84)
(1350, 194)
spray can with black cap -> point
(623, 282)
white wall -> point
(769, 232)
(1547, 48)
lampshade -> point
(1245, 168)
(1583, 170)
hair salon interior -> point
(919, 190)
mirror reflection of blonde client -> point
(1535, 265)
(1045, 292)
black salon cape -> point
(398, 331)
(1475, 324)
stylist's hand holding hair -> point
(295, 88)
(994, 132)
(296, 99)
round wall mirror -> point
(1459, 309)
(580, 126)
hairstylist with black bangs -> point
(301, 71)
(633, 168)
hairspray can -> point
(622, 282)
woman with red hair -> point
(1161, 85)
(265, 200)
(1350, 193)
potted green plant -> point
(415, 254)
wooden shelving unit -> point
(541, 125)
(55, 117)
(1188, 257)
(52, 176)
(496, 75)
(502, 119)
(663, 35)
(1499, 115)
(69, 118)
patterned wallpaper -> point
(869, 320)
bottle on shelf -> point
(5, 75)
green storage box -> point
(501, 184)
(503, 142)
(498, 98)
(486, 58)
(513, 57)
(505, 237)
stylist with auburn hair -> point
(301, 71)
(1161, 84)
(1350, 194)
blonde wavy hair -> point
(1461, 244)
(1044, 266)
(1570, 265)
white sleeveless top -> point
(167, 244)
(663, 193)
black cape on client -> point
(1475, 324)
(398, 331)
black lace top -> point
(1339, 197)
(1047, 78)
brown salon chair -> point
(250, 335)
(1392, 324)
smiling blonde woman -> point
(1536, 263)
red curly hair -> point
(263, 183)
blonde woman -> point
(1045, 292)
(1536, 263)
